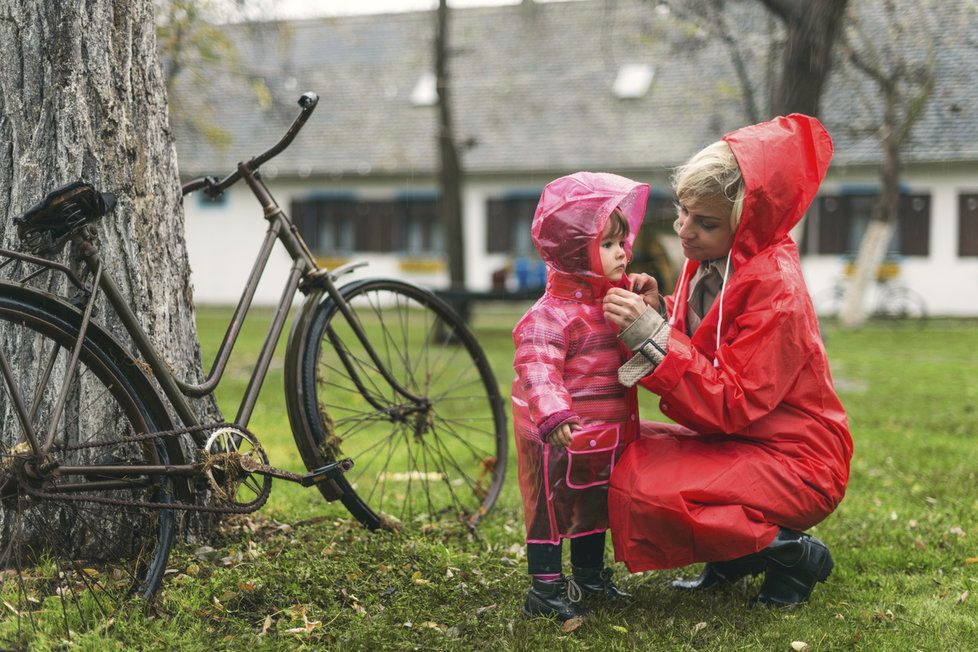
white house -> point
(539, 90)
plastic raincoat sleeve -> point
(756, 368)
(541, 347)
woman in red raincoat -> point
(761, 450)
(572, 417)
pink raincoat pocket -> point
(591, 456)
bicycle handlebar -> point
(213, 187)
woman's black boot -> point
(597, 581)
(557, 598)
(796, 562)
(719, 573)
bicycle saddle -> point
(45, 227)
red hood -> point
(571, 215)
(780, 183)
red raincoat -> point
(566, 363)
(763, 439)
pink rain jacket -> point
(762, 439)
(567, 358)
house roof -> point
(532, 91)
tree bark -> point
(82, 96)
(450, 172)
(812, 27)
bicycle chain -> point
(119, 502)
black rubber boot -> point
(597, 582)
(559, 598)
(796, 562)
(723, 573)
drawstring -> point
(723, 287)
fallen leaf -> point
(920, 543)
(217, 603)
(266, 625)
(963, 597)
(482, 610)
(431, 624)
(246, 586)
(800, 646)
(571, 624)
(698, 627)
(956, 530)
(971, 560)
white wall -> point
(222, 240)
(948, 283)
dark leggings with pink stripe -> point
(585, 552)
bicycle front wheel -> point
(73, 545)
(414, 464)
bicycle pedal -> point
(328, 472)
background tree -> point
(787, 70)
(450, 165)
(892, 44)
(812, 27)
(82, 96)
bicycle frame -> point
(305, 275)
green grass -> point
(301, 574)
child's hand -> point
(561, 435)
(622, 307)
(646, 287)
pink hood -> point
(571, 215)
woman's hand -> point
(647, 287)
(561, 435)
(622, 307)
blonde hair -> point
(711, 175)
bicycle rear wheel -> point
(412, 465)
(68, 562)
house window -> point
(968, 224)
(508, 222)
(423, 233)
(342, 224)
(838, 222)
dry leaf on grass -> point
(698, 627)
(963, 597)
(800, 646)
(571, 624)
(266, 625)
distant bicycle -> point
(893, 300)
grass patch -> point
(301, 574)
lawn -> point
(301, 573)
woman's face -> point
(704, 229)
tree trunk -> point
(872, 248)
(82, 96)
(812, 26)
(450, 172)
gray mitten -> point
(648, 337)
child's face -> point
(612, 250)
(704, 229)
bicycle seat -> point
(45, 227)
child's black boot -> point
(597, 582)
(558, 598)
(796, 562)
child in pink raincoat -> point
(572, 416)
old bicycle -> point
(392, 403)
